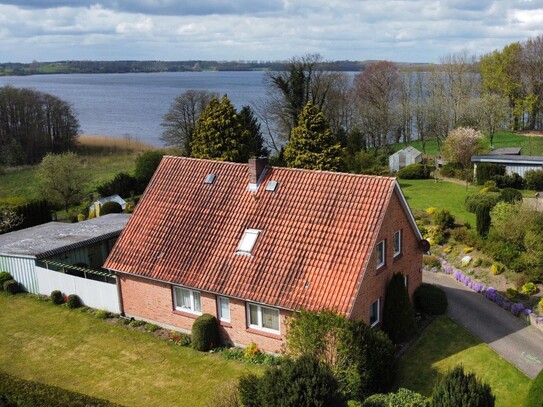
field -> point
(77, 351)
(102, 157)
(442, 346)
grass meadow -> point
(74, 350)
(442, 346)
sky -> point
(261, 30)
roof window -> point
(271, 185)
(210, 178)
(247, 241)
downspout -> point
(119, 294)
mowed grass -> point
(102, 158)
(531, 145)
(422, 194)
(442, 346)
(76, 351)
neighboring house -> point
(513, 163)
(404, 157)
(66, 257)
(96, 205)
(250, 244)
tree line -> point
(388, 103)
(32, 124)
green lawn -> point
(76, 351)
(530, 145)
(422, 194)
(442, 346)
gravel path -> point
(509, 336)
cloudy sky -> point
(401, 31)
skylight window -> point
(248, 240)
(210, 178)
(271, 185)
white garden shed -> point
(404, 157)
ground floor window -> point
(261, 317)
(374, 313)
(224, 309)
(187, 300)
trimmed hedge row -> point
(15, 392)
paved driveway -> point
(509, 336)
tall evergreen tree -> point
(250, 123)
(312, 143)
(398, 315)
(220, 135)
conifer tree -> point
(462, 389)
(398, 315)
(250, 123)
(219, 134)
(312, 143)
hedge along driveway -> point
(76, 351)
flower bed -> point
(516, 308)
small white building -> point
(513, 163)
(97, 205)
(404, 157)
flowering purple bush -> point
(517, 308)
(477, 287)
(527, 311)
(448, 269)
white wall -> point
(94, 294)
(22, 270)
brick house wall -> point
(409, 262)
(153, 301)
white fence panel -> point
(94, 294)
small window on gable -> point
(210, 179)
(397, 243)
(381, 255)
(248, 240)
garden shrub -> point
(11, 287)
(205, 333)
(101, 314)
(135, 323)
(304, 381)
(436, 235)
(477, 262)
(444, 218)
(462, 389)
(482, 218)
(452, 170)
(486, 171)
(488, 199)
(151, 327)
(510, 195)
(528, 289)
(4, 276)
(430, 260)
(402, 398)
(431, 210)
(447, 250)
(414, 171)
(511, 293)
(535, 394)
(534, 180)
(73, 301)
(430, 299)
(467, 249)
(398, 315)
(123, 184)
(540, 305)
(25, 393)
(110, 207)
(56, 297)
(146, 165)
(466, 236)
(497, 268)
(509, 181)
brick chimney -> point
(257, 166)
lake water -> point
(132, 105)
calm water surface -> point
(132, 105)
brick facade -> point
(408, 262)
(153, 301)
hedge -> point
(205, 333)
(414, 171)
(4, 276)
(25, 393)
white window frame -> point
(378, 319)
(399, 251)
(258, 324)
(193, 293)
(221, 316)
(381, 261)
(248, 241)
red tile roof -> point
(317, 228)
